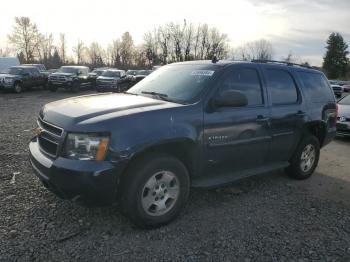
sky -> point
(297, 26)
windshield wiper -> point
(157, 95)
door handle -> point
(300, 113)
(261, 118)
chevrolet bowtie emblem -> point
(39, 131)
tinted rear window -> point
(282, 87)
(316, 87)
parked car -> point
(72, 78)
(113, 80)
(96, 73)
(337, 89)
(7, 62)
(198, 124)
(346, 88)
(19, 78)
(343, 124)
(136, 76)
(42, 69)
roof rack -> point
(279, 62)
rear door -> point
(238, 138)
(287, 111)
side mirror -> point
(231, 98)
(123, 76)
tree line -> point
(172, 42)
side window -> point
(34, 72)
(245, 80)
(316, 87)
(282, 87)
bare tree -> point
(150, 47)
(164, 39)
(188, 41)
(79, 51)
(62, 47)
(114, 53)
(260, 49)
(96, 54)
(45, 47)
(25, 37)
(5, 52)
(126, 50)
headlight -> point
(69, 78)
(8, 80)
(86, 146)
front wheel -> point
(155, 190)
(75, 87)
(305, 159)
(17, 88)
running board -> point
(226, 178)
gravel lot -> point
(268, 218)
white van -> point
(6, 62)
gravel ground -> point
(268, 218)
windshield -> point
(14, 71)
(98, 72)
(70, 70)
(111, 73)
(143, 72)
(131, 72)
(177, 83)
(345, 100)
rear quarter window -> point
(316, 87)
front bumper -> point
(343, 128)
(6, 85)
(93, 182)
(60, 84)
(106, 88)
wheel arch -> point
(318, 129)
(182, 149)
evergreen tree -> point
(335, 62)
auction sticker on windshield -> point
(202, 73)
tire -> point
(75, 87)
(305, 158)
(52, 88)
(154, 190)
(17, 88)
(45, 85)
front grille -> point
(49, 138)
(48, 146)
(50, 128)
(57, 78)
(104, 83)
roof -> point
(74, 66)
(223, 63)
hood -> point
(8, 76)
(91, 109)
(62, 74)
(107, 78)
(344, 110)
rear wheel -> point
(155, 190)
(305, 159)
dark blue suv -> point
(199, 124)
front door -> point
(238, 138)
